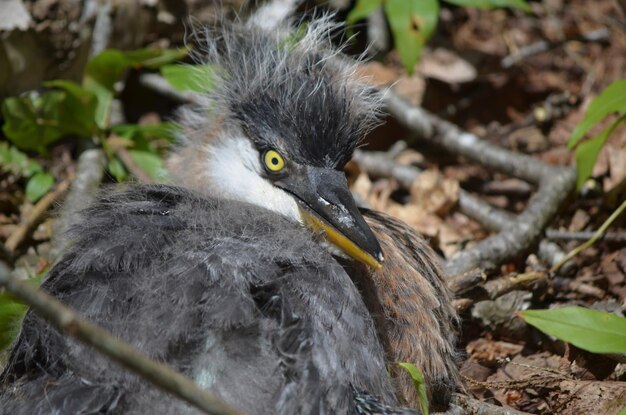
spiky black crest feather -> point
(286, 90)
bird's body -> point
(223, 278)
(244, 302)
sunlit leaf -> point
(117, 169)
(412, 23)
(38, 185)
(194, 78)
(150, 163)
(588, 151)
(612, 99)
(163, 130)
(362, 9)
(108, 66)
(12, 311)
(11, 314)
(491, 4)
(419, 383)
(591, 330)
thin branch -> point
(596, 236)
(495, 288)
(476, 407)
(381, 164)
(37, 214)
(555, 184)
(555, 234)
(599, 35)
(70, 323)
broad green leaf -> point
(587, 152)
(38, 185)
(419, 383)
(591, 330)
(490, 4)
(109, 65)
(150, 163)
(623, 411)
(117, 169)
(362, 9)
(412, 23)
(78, 112)
(32, 123)
(14, 161)
(612, 99)
(104, 99)
(194, 78)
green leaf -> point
(104, 99)
(591, 330)
(362, 9)
(195, 78)
(108, 66)
(623, 411)
(150, 163)
(117, 169)
(32, 123)
(612, 99)
(164, 130)
(490, 4)
(12, 311)
(419, 383)
(14, 161)
(38, 185)
(77, 114)
(587, 152)
(412, 23)
(11, 314)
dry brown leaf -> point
(447, 66)
(434, 193)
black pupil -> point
(274, 161)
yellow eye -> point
(274, 161)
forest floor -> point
(476, 72)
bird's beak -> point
(327, 205)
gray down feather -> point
(236, 297)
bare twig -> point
(381, 164)
(555, 183)
(35, 217)
(596, 236)
(498, 287)
(476, 407)
(599, 35)
(459, 284)
(556, 234)
(70, 323)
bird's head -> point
(281, 121)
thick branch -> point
(70, 323)
(555, 183)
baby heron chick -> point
(241, 276)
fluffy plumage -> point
(245, 302)
(225, 284)
(284, 90)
